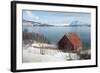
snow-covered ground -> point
(33, 54)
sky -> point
(56, 18)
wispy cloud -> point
(28, 15)
(56, 18)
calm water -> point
(54, 34)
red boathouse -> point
(70, 42)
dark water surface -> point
(54, 34)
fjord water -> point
(54, 34)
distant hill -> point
(33, 23)
(73, 24)
(78, 23)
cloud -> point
(28, 15)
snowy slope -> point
(32, 54)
